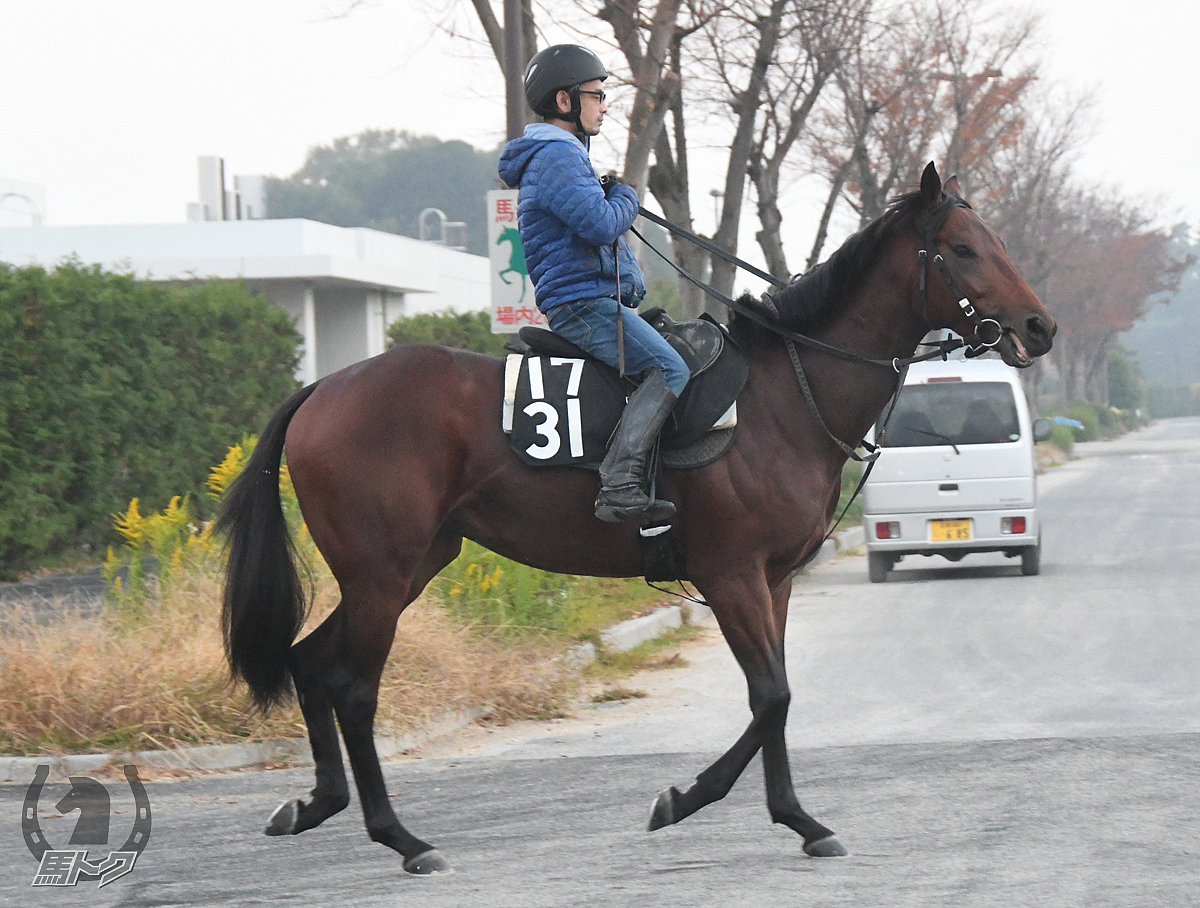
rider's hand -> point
(608, 181)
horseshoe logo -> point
(69, 867)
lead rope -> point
(620, 314)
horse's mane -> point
(812, 298)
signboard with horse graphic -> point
(512, 290)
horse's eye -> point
(964, 252)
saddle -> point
(561, 406)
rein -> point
(943, 348)
(976, 344)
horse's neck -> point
(878, 323)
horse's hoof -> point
(828, 847)
(427, 862)
(283, 821)
(662, 811)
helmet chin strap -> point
(576, 114)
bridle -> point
(928, 228)
(927, 224)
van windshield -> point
(957, 413)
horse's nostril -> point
(1037, 327)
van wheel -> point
(878, 566)
(1031, 559)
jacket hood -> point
(520, 151)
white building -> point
(343, 286)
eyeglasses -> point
(598, 95)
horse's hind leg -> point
(370, 628)
(311, 661)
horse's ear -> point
(931, 186)
(951, 187)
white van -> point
(957, 473)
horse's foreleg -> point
(753, 620)
(673, 805)
(782, 802)
(743, 610)
(310, 660)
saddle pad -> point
(561, 410)
(564, 409)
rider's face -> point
(591, 107)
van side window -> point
(958, 413)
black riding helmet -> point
(560, 67)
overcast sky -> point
(108, 104)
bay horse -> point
(397, 459)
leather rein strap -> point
(940, 351)
(928, 229)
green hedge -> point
(1063, 437)
(464, 330)
(111, 388)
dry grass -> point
(153, 675)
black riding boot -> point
(623, 472)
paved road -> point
(976, 737)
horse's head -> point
(90, 798)
(85, 794)
(968, 261)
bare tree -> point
(741, 47)
(653, 45)
(878, 128)
(983, 74)
(813, 45)
(1030, 195)
(919, 86)
(647, 46)
(1106, 281)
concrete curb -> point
(295, 751)
(850, 538)
(218, 757)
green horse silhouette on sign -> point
(516, 260)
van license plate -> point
(951, 530)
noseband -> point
(928, 229)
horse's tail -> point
(265, 603)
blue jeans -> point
(591, 325)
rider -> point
(570, 226)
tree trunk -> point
(495, 35)
(746, 105)
(766, 182)
(669, 185)
(655, 83)
(835, 190)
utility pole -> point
(513, 75)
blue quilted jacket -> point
(567, 225)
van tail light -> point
(889, 530)
(1012, 525)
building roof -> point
(250, 250)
